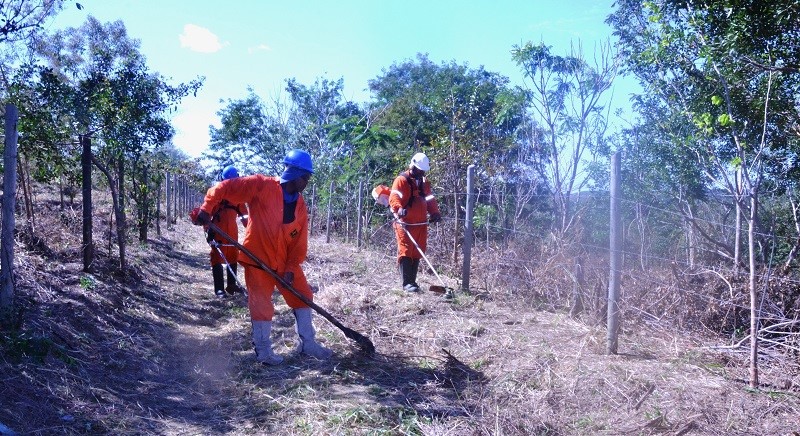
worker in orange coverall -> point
(277, 233)
(225, 217)
(411, 201)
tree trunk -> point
(751, 242)
(27, 190)
(168, 200)
(455, 230)
(122, 225)
(158, 210)
(61, 192)
(642, 225)
(738, 236)
(9, 203)
(143, 207)
(113, 188)
(86, 165)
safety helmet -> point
(300, 159)
(230, 172)
(420, 161)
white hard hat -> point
(421, 161)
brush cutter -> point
(216, 245)
(443, 289)
(360, 339)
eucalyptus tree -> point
(47, 152)
(258, 134)
(568, 103)
(20, 21)
(252, 135)
(315, 111)
(730, 70)
(112, 98)
(662, 186)
(255, 134)
(20, 18)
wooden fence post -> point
(86, 165)
(313, 210)
(468, 231)
(168, 201)
(9, 219)
(328, 222)
(577, 289)
(616, 257)
(358, 212)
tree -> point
(251, 135)
(729, 69)
(110, 95)
(20, 18)
(567, 103)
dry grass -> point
(156, 353)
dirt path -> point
(202, 348)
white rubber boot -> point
(263, 344)
(305, 329)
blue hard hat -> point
(300, 159)
(230, 172)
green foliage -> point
(93, 81)
(20, 19)
(426, 363)
(483, 215)
(17, 346)
(455, 114)
(479, 364)
(87, 282)
(720, 82)
(251, 137)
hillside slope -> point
(158, 354)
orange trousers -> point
(260, 286)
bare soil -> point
(155, 352)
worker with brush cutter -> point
(411, 201)
(223, 254)
(277, 233)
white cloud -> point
(200, 39)
(260, 47)
(191, 130)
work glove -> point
(203, 218)
(435, 217)
(402, 212)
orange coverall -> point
(280, 246)
(226, 220)
(420, 206)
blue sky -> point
(241, 43)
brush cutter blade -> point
(438, 289)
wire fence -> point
(666, 288)
(534, 265)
